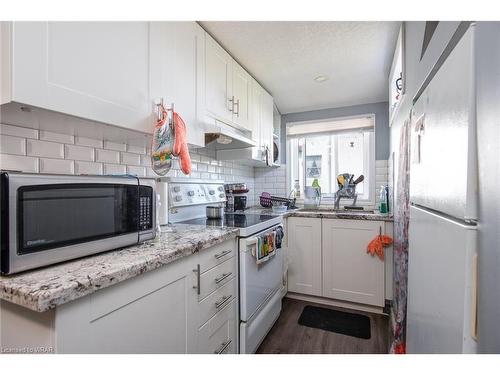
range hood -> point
(220, 136)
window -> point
(323, 150)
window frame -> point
(369, 159)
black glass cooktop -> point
(231, 220)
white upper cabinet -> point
(177, 54)
(95, 70)
(242, 86)
(266, 125)
(228, 87)
(218, 81)
(257, 93)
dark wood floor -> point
(288, 337)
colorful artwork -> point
(401, 225)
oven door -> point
(56, 218)
(258, 282)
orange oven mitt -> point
(376, 246)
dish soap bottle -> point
(383, 200)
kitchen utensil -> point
(236, 188)
(340, 180)
(215, 212)
(359, 180)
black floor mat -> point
(336, 321)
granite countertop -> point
(323, 213)
(48, 287)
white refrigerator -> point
(442, 256)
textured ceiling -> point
(285, 57)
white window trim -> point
(367, 203)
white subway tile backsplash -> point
(90, 142)
(146, 160)
(85, 167)
(202, 167)
(12, 145)
(136, 149)
(130, 159)
(56, 137)
(18, 131)
(78, 153)
(115, 169)
(60, 153)
(44, 149)
(107, 156)
(19, 163)
(56, 166)
(136, 171)
(115, 146)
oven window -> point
(52, 216)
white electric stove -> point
(260, 284)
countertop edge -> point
(41, 303)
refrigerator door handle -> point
(474, 298)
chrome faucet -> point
(347, 189)
(348, 192)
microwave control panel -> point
(145, 208)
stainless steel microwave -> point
(46, 219)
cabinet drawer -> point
(216, 255)
(217, 277)
(216, 301)
(218, 335)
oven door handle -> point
(251, 242)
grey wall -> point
(381, 111)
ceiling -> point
(285, 57)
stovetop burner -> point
(231, 220)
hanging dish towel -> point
(376, 246)
(265, 248)
(162, 145)
(279, 236)
(180, 146)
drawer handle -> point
(198, 279)
(223, 347)
(223, 253)
(223, 277)
(222, 301)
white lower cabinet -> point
(349, 272)
(328, 258)
(169, 310)
(304, 250)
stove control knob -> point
(211, 192)
(177, 189)
(221, 188)
(222, 195)
(191, 193)
(178, 198)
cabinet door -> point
(218, 81)
(146, 314)
(349, 272)
(267, 120)
(304, 249)
(242, 86)
(95, 70)
(176, 51)
(255, 118)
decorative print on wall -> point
(401, 225)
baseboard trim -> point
(337, 303)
